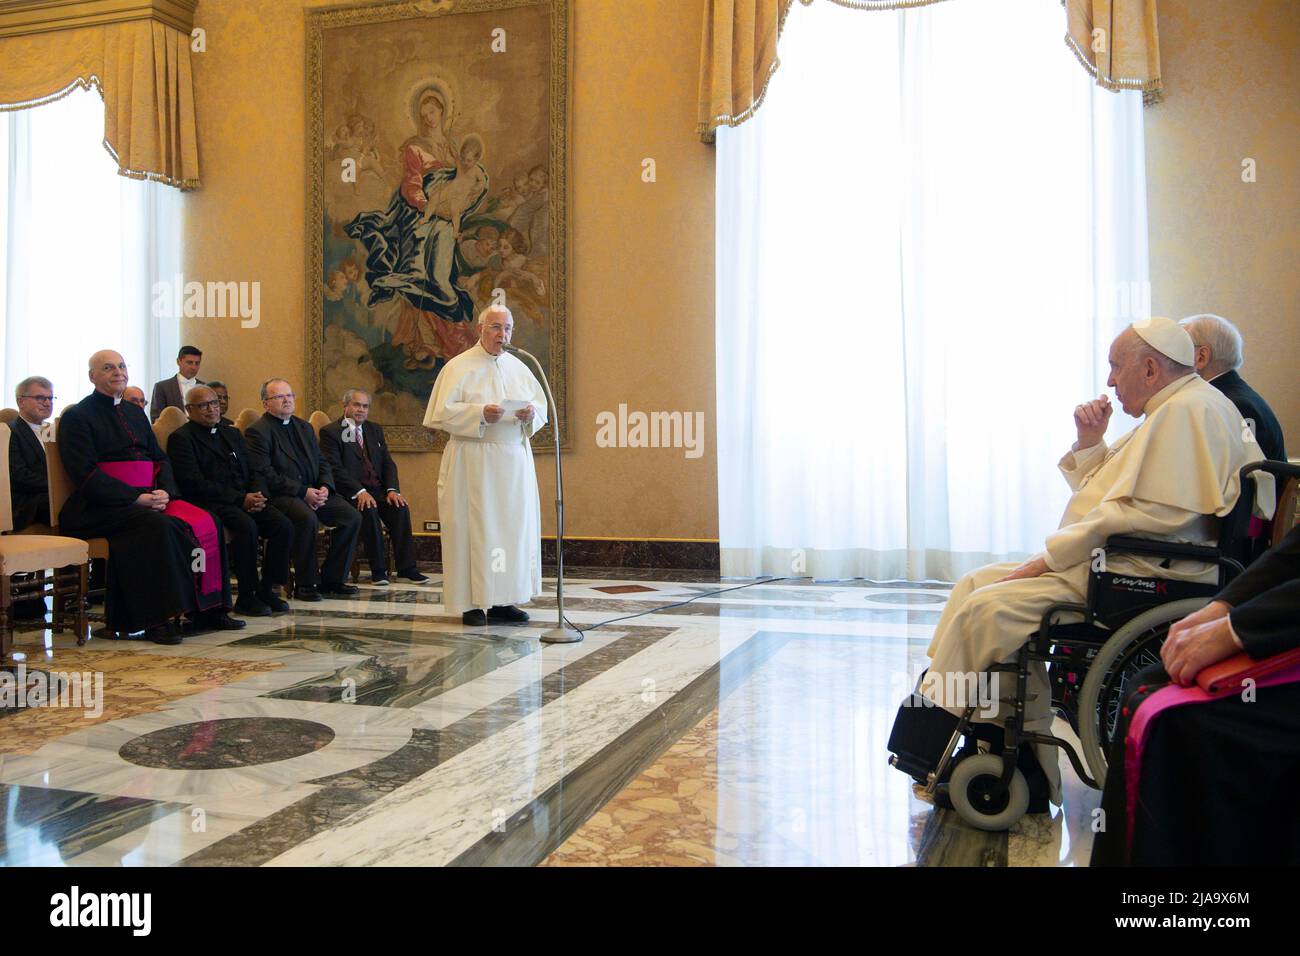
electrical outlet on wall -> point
(433, 526)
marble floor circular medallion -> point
(227, 743)
(906, 597)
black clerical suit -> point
(29, 488)
(215, 471)
(150, 574)
(360, 459)
(287, 455)
(1268, 432)
(1216, 776)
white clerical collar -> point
(212, 430)
(285, 421)
(117, 400)
(1162, 396)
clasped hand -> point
(155, 500)
(1196, 642)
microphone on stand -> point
(561, 633)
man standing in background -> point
(172, 391)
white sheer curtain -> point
(923, 251)
(80, 250)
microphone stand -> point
(561, 633)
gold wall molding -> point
(23, 17)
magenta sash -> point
(141, 474)
(1166, 698)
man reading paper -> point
(487, 487)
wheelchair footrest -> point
(921, 732)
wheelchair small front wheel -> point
(973, 790)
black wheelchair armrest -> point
(1044, 625)
(1281, 469)
(1172, 549)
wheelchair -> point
(1091, 660)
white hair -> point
(1220, 335)
(494, 307)
(353, 392)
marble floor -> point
(742, 728)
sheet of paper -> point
(511, 406)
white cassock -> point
(1170, 478)
(487, 488)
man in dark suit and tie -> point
(172, 391)
(28, 486)
(301, 484)
(214, 470)
(1218, 356)
(366, 475)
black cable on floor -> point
(668, 607)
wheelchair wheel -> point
(971, 790)
(1132, 648)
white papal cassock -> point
(487, 488)
(1166, 479)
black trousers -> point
(334, 513)
(398, 522)
(1213, 784)
(150, 579)
(245, 528)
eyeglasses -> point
(274, 398)
(39, 398)
(215, 403)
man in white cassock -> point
(1169, 478)
(490, 405)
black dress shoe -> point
(163, 634)
(273, 601)
(306, 594)
(507, 614)
(474, 618)
(340, 590)
(413, 575)
(251, 606)
(218, 621)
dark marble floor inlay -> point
(225, 743)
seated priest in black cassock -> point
(166, 557)
(214, 470)
(366, 475)
(301, 482)
(1199, 776)
(29, 488)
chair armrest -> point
(1164, 549)
(1172, 549)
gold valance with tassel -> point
(136, 53)
(1115, 40)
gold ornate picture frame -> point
(438, 168)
